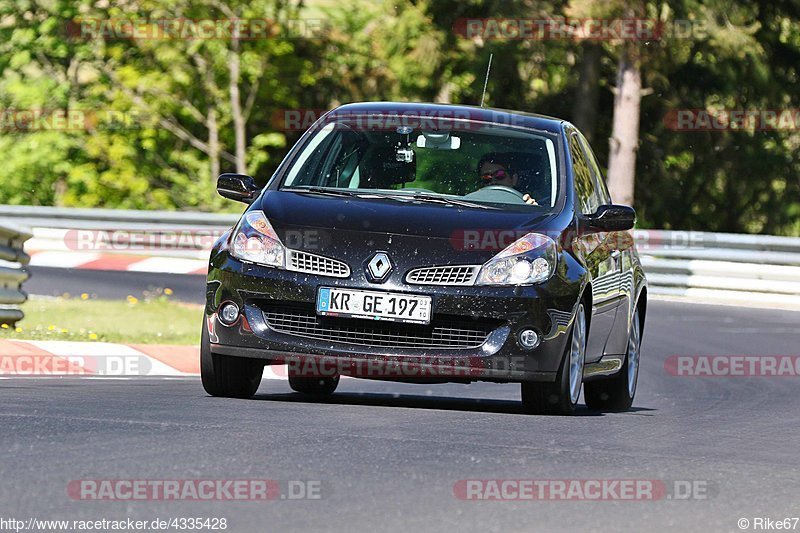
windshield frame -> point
(276, 182)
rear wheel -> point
(315, 386)
(228, 376)
(617, 393)
(561, 397)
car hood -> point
(385, 216)
(421, 233)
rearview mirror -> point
(238, 187)
(438, 141)
(612, 218)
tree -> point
(165, 116)
(624, 139)
(587, 91)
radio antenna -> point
(486, 81)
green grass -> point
(152, 321)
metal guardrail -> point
(111, 219)
(757, 268)
(714, 265)
(12, 273)
(190, 233)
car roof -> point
(445, 111)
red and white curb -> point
(130, 263)
(103, 359)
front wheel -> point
(617, 393)
(228, 376)
(561, 397)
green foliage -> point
(153, 106)
(737, 181)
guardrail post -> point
(12, 273)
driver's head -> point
(496, 169)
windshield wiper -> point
(435, 198)
(419, 196)
(320, 190)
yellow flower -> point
(18, 329)
(93, 336)
(84, 296)
(132, 299)
(63, 330)
(51, 328)
(168, 291)
(4, 326)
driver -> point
(497, 169)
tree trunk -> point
(624, 140)
(445, 95)
(236, 110)
(586, 94)
(213, 143)
(60, 188)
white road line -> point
(167, 265)
(62, 259)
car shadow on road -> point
(412, 401)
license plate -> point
(374, 305)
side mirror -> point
(612, 218)
(237, 187)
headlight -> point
(254, 240)
(531, 259)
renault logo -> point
(379, 266)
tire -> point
(617, 393)
(561, 397)
(228, 376)
(314, 386)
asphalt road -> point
(112, 285)
(388, 455)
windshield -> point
(478, 165)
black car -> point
(430, 243)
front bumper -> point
(548, 308)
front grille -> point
(444, 331)
(443, 275)
(317, 264)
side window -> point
(331, 160)
(601, 190)
(584, 184)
